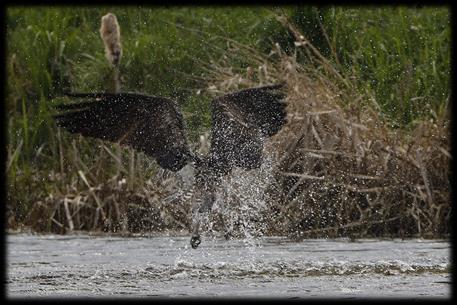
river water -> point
(106, 266)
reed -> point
(353, 159)
(343, 170)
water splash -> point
(242, 201)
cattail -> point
(111, 36)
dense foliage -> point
(399, 56)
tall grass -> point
(401, 54)
(342, 169)
(56, 49)
(399, 57)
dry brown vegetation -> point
(339, 169)
(342, 171)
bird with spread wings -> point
(241, 122)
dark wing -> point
(241, 122)
(153, 125)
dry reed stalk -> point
(341, 165)
(340, 171)
(102, 208)
(94, 195)
(67, 213)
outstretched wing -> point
(153, 125)
(241, 122)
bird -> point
(241, 123)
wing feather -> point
(241, 122)
(153, 125)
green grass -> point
(403, 57)
(399, 55)
(54, 49)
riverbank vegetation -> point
(366, 151)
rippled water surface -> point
(80, 266)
